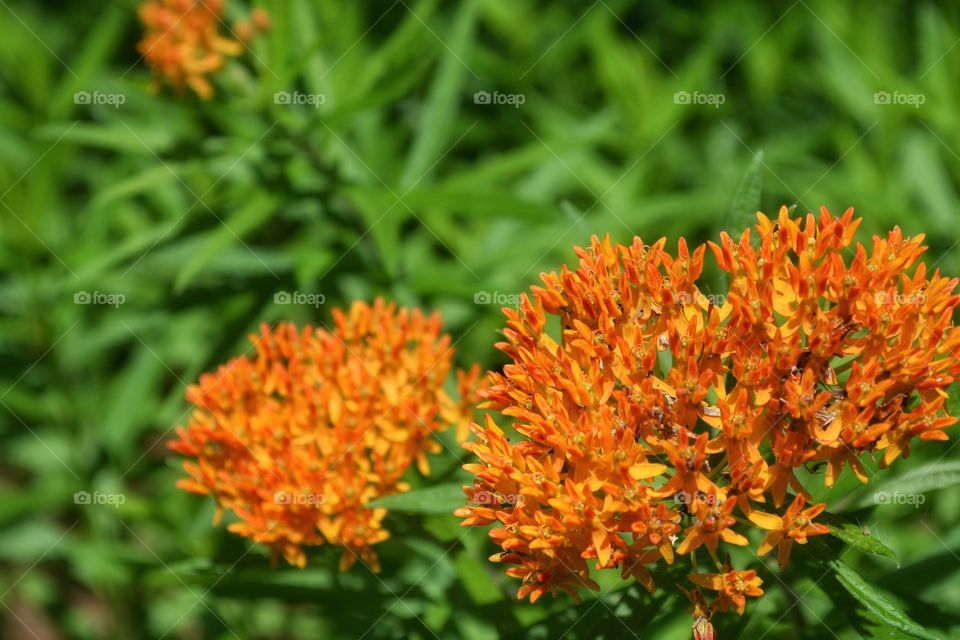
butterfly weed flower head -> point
(662, 423)
(298, 438)
(183, 43)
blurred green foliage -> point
(405, 183)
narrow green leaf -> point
(483, 203)
(40, 497)
(404, 46)
(98, 45)
(475, 577)
(439, 114)
(746, 200)
(134, 139)
(384, 217)
(913, 483)
(878, 604)
(472, 627)
(856, 536)
(138, 183)
(444, 498)
(231, 231)
(134, 397)
(930, 180)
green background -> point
(401, 184)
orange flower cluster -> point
(183, 43)
(298, 439)
(657, 421)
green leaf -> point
(930, 180)
(133, 399)
(142, 182)
(98, 46)
(472, 627)
(475, 577)
(384, 217)
(439, 114)
(229, 232)
(482, 202)
(41, 497)
(856, 536)
(746, 200)
(929, 477)
(444, 498)
(134, 139)
(878, 604)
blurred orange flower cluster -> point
(298, 439)
(183, 43)
(659, 421)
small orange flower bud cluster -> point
(657, 421)
(259, 22)
(183, 43)
(299, 438)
